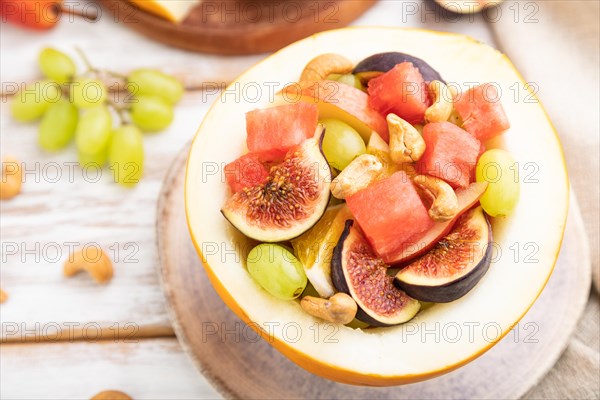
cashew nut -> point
(445, 203)
(3, 296)
(360, 173)
(10, 186)
(339, 308)
(406, 143)
(320, 67)
(111, 395)
(441, 108)
(94, 261)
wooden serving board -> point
(241, 365)
(241, 26)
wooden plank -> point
(38, 226)
(147, 369)
(426, 14)
(61, 206)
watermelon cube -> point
(401, 91)
(482, 112)
(391, 214)
(246, 171)
(273, 131)
(451, 153)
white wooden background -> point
(150, 364)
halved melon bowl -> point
(441, 337)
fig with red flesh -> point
(290, 201)
(377, 64)
(454, 265)
(357, 271)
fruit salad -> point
(372, 193)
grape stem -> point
(116, 74)
(86, 60)
(120, 111)
(95, 70)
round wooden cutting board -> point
(241, 365)
(241, 26)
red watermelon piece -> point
(273, 131)
(391, 214)
(402, 91)
(482, 112)
(451, 153)
(246, 171)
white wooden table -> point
(71, 338)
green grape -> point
(150, 82)
(56, 65)
(30, 103)
(58, 125)
(151, 113)
(347, 79)
(93, 134)
(87, 93)
(498, 168)
(277, 270)
(92, 160)
(341, 143)
(126, 155)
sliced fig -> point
(357, 271)
(467, 198)
(454, 265)
(290, 201)
(377, 64)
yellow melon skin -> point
(405, 353)
(314, 366)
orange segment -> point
(314, 249)
(306, 246)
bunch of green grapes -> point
(78, 107)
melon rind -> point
(404, 353)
